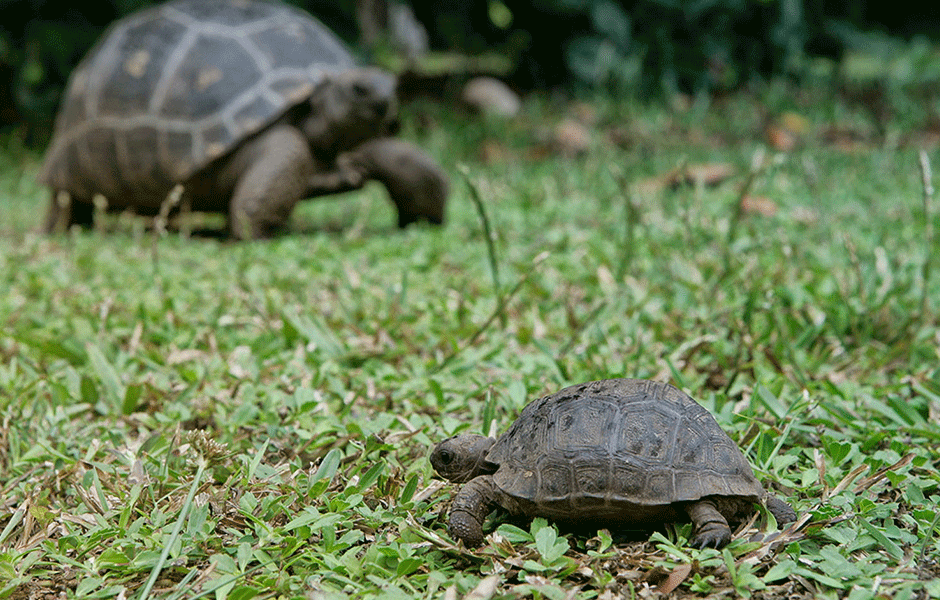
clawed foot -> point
(717, 537)
(466, 527)
(349, 172)
(345, 178)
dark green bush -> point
(653, 46)
(638, 46)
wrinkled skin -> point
(357, 105)
(261, 181)
(416, 184)
(462, 459)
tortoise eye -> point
(446, 457)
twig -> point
(101, 208)
(160, 221)
(757, 167)
(64, 201)
(631, 218)
(497, 312)
(487, 231)
(172, 199)
(927, 179)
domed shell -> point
(605, 445)
(168, 90)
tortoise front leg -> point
(344, 178)
(270, 176)
(711, 530)
(416, 184)
(470, 508)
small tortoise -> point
(246, 104)
(618, 451)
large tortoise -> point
(617, 451)
(246, 104)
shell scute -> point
(127, 78)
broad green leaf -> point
(409, 490)
(243, 592)
(107, 375)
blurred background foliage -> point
(642, 47)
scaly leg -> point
(345, 178)
(783, 513)
(416, 184)
(710, 528)
(470, 508)
(271, 174)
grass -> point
(187, 417)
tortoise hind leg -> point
(64, 211)
(470, 508)
(711, 529)
(782, 512)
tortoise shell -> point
(602, 446)
(168, 90)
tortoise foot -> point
(783, 513)
(464, 526)
(714, 537)
(711, 528)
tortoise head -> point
(351, 107)
(463, 457)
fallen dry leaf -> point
(678, 575)
(871, 480)
(758, 205)
(571, 138)
(804, 215)
(780, 138)
(492, 152)
(771, 543)
(708, 174)
(177, 357)
(485, 589)
(786, 131)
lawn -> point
(184, 416)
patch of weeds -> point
(329, 361)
